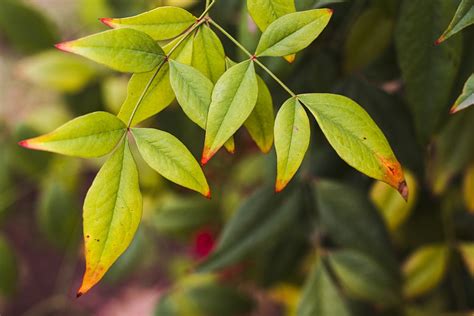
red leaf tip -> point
(439, 40)
(23, 143)
(453, 110)
(403, 189)
(207, 195)
(79, 294)
(279, 186)
(331, 11)
(64, 46)
(107, 21)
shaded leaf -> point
(356, 138)
(468, 188)
(162, 23)
(463, 18)
(424, 270)
(170, 158)
(92, 135)
(208, 54)
(466, 99)
(124, 50)
(112, 213)
(293, 32)
(8, 269)
(233, 99)
(292, 136)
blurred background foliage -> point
(334, 243)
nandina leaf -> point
(112, 213)
(467, 253)
(170, 158)
(293, 32)
(356, 138)
(160, 94)
(92, 135)
(162, 23)
(321, 295)
(468, 188)
(265, 12)
(292, 135)
(420, 22)
(466, 99)
(260, 122)
(233, 99)
(124, 50)
(463, 18)
(424, 270)
(208, 54)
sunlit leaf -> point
(321, 295)
(463, 18)
(292, 136)
(162, 23)
(208, 54)
(170, 158)
(293, 32)
(467, 253)
(466, 99)
(124, 50)
(92, 135)
(356, 138)
(424, 270)
(264, 12)
(233, 99)
(260, 123)
(112, 213)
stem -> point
(253, 57)
(207, 3)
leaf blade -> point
(463, 18)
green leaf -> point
(424, 270)
(8, 269)
(468, 188)
(466, 99)
(420, 22)
(259, 220)
(293, 32)
(159, 94)
(162, 23)
(364, 278)
(124, 50)
(292, 136)
(467, 253)
(33, 34)
(233, 99)
(356, 138)
(260, 123)
(92, 135)
(170, 158)
(463, 18)
(55, 70)
(345, 215)
(208, 54)
(321, 295)
(365, 43)
(112, 213)
(264, 12)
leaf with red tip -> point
(466, 99)
(92, 135)
(356, 138)
(112, 213)
(162, 23)
(233, 99)
(292, 135)
(124, 50)
(169, 157)
(463, 18)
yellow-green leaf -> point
(293, 32)
(467, 253)
(356, 138)
(162, 23)
(170, 158)
(233, 99)
(124, 50)
(112, 213)
(468, 188)
(208, 54)
(264, 12)
(466, 99)
(92, 135)
(59, 71)
(260, 123)
(463, 18)
(424, 270)
(292, 135)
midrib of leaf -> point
(291, 139)
(153, 23)
(197, 96)
(85, 136)
(231, 103)
(103, 47)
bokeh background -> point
(428, 241)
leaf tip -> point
(206, 156)
(440, 40)
(403, 190)
(29, 143)
(330, 11)
(79, 294)
(64, 46)
(280, 185)
(107, 21)
(24, 143)
(290, 58)
(454, 109)
(207, 194)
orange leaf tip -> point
(23, 143)
(207, 195)
(280, 185)
(453, 110)
(64, 46)
(403, 190)
(290, 58)
(440, 40)
(331, 11)
(107, 21)
(206, 156)
(79, 294)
